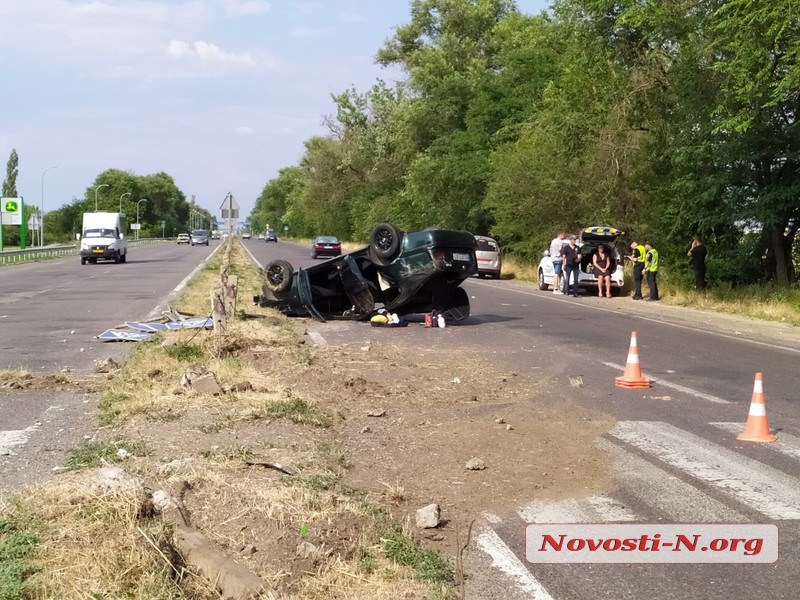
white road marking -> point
(786, 444)
(675, 386)
(11, 439)
(594, 509)
(556, 298)
(654, 487)
(759, 486)
(507, 562)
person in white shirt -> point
(555, 254)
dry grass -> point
(97, 542)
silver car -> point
(488, 254)
(200, 237)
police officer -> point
(637, 256)
(651, 268)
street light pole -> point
(97, 189)
(41, 222)
(120, 200)
(137, 216)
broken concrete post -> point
(218, 311)
(230, 295)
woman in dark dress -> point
(602, 270)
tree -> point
(10, 234)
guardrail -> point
(10, 257)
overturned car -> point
(403, 273)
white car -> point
(588, 241)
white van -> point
(104, 236)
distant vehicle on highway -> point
(103, 237)
(200, 237)
(184, 238)
(270, 237)
(215, 235)
(246, 235)
(488, 255)
(325, 245)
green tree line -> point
(663, 118)
(160, 205)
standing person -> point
(698, 255)
(602, 270)
(651, 268)
(571, 256)
(555, 254)
(637, 255)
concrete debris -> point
(107, 365)
(207, 384)
(376, 413)
(475, 464)
(365, 429)
(428, 517)
(306, 549)
(114, 479)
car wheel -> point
(124, 258)
(83, 261)
(384, 243)
(278, 275)
(313, 255)
(542, 285)
(495, 275)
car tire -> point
(384, 243)
(83, 261)
(495, 275)
(542, 285)
(124, 258)
(278, 275)
(313, 255)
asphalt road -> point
(678, 457)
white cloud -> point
(206, 52)
(242, 130)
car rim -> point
(384, 240)
(275, 276)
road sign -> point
(10, 207)
(33, 221)
(229, 207)
(136, 225)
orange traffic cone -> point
(757, 427)
(632, 378)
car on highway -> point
(588, 241)
(184, 238)
(215, 235)
(246, 235)
(325, 245)
(200, 237)
(488, 254)
(271, 237)
(402, 273)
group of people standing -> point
(567, 261)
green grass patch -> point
(185, 352)
(427, 564)
(17, 544)
(296, 410)
(96, 454)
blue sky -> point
(219, 94)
